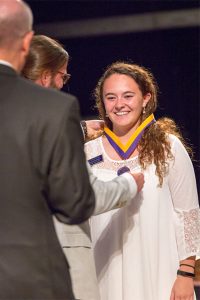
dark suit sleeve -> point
(71, 196)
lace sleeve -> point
(187, 226)
(185, 201)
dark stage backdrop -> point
(171, 54)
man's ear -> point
(26, 42)
(45, 78)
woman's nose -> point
(119, 102)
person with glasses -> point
(47, 64)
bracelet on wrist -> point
(187, 265)
(185, 274)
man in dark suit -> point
(42, 171)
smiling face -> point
(124, 102)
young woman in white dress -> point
(139, 248)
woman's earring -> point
(144, 111)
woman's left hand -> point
(183, 289)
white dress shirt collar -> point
(6, 63)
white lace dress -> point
(137, 248)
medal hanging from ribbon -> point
(125, 151)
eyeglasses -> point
(65, 77)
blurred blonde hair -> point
(46, 54)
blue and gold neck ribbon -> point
(126, 150)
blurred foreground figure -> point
(43, 171)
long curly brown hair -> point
(154, 146)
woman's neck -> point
(123, 133)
